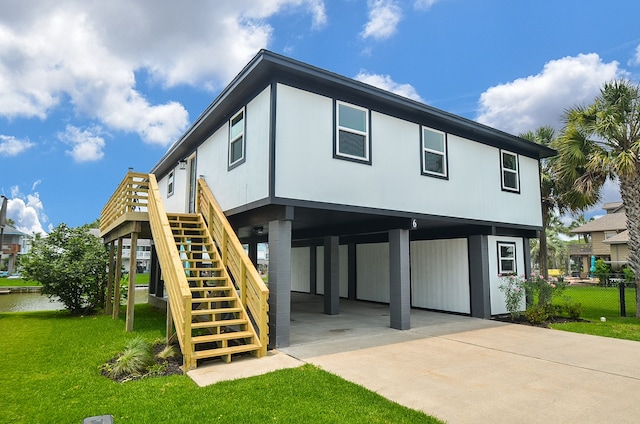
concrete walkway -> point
(465, 370)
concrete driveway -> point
(467, 370)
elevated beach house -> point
(360, 194)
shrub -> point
(70, 263)
(573, 310)
(135, 360)
(629, 275)
(537, 314)
(513, 288)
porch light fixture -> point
(258, 230)
(183, 164)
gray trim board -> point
(331, 275)
(479, 283)
(399, 281)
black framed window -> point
(237, 140)
(510, 171)
(434, 153)
(352, 140)
(507, 258)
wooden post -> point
(131, 298)
(116, 291)
(110, 276)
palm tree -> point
(602, 141)
(557, 192)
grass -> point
(50, 373)
(600, 302)
(17, 282)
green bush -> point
(538, 314)
(629, 275)
(573, 310)
(136, 360)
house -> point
(14, 243)
(360, 194)
(608, 237)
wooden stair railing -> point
(175, 280)
(221, 326)
(253, 292)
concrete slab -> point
(242, 367)
(459, 369)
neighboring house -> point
(360, 193)
(608, 237)
(14, 243)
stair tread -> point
(224, 336)
(222, 323)
(210, 288)
(212, 353)
(216, 311)
(213, 299)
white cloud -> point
(384, 17)
(89, 52)
(528, 103)
(424, 4)
(27, 211)
(86, 144)
(11, 146)
(635, 60)
(386, 83)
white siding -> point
(343, 259)
(373, 272)
(249, 181)
(306, 169)
(497, 297)
(300, 269)
(440, 275)
(178, 201)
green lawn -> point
(604, 302)
(49, 366)
(19, 282)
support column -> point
(253, 253)
(313, 269)
(116, 286)
(351, 271)
(131, 297)
(399, 281)
(279, 283)
(479, 282)
(153, 271)
(110, 277)
(332, 275)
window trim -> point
(444, 154)
(336, 133)
(516, 171)
(500, 257)
(171, 183)
(242, 135)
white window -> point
(170, 184)
(507, 258)
(434, 153)
(236, 139)
(509, 168)
(352, 133)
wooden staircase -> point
(220, 325)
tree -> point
(556, 190)
(602, 141)
(70, 263)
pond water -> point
(23, 302)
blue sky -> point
(89, 89)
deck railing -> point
(128, 203)
(254, 293)
(179, 299)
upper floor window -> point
(170, 184)
(236, 139)
(434, 153)
(507, 258)
(509, 170)
(352, 133)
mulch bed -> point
(173, 366)
(523, 320)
